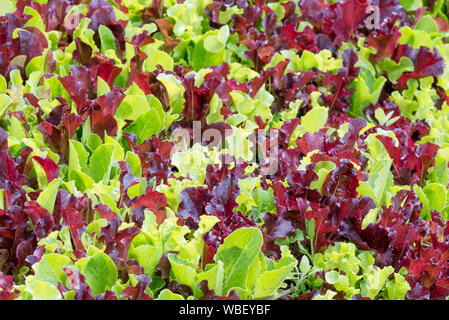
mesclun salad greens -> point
(224, 149)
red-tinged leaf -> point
(109, 232)
(347, 16)
(343, 181)
(127, 180)
(138, 292)
(222, 202)
(418, 161)
(156, 10)
(71, 123)
(286, 131)
(280, 193)
(193, 203)
(322, 224)
(7, 165)
(391, 10)
(101, 12)
(427, 153)
(311, 141)
(313, 11)
(222, 229)
(6, 286)
(277, 226)
(117, 242)
(155, 157)
(42, 220)
(299, 181)
(427, 63)
(63, 200)
(50, 167)
(80, 84)
(133, 267)
(76, 226)
(289, 87)
(22, 160)
(182, 289)
(418, 292)
(164, 266)
(108, 72)
(373, 237)
(385, 44)
(105, 212)
(141, 79)
(23, 250)
(209, 294)
(442, 24)
(108, 295)
(198, 99)
(36, 256)
(152, 200)
(83, 52)
(102, 114)
(166, 28)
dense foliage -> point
(348, 98)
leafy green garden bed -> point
(224, 149)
